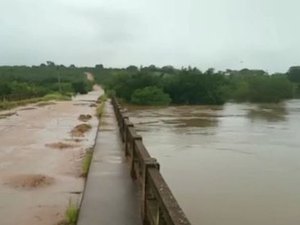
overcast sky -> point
(204, 33)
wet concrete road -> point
(111, 197)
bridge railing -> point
(158, 205)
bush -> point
(264, 89)
(56, 96)
(23, 82)
(150, 96)
(80, 87)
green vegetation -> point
(294, 76)
(150, 85)
(4, 105)
(23, 82)
(100, 108)
(86, 162)
(72, 213)
(160, 86)
(102, 98)
(57, 96)
(150, 96)
(89, 152)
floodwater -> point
(237, 164)
(37, 182)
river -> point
(237, 164)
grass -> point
(89, 152)
(86, 162)
(100, 109)
(4, 105)
(102, 98)
(72, 213)
(57, 96)
(12, 104)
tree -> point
(132, 68)
(50, 63)
(168, 69)
(210, 71)
(294, 74)
(5, 89)
(80, 87)
(99, 66)
(150, 96)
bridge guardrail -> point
(158, 205)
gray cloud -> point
(203, 33)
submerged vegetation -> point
(5, 104)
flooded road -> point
(41, 161)
(237, 164)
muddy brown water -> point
(238, 164)
(40, 161)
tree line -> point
(161, 86)
(152, 85)
(23, 82)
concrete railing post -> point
(127, 138)
(149, 163)
(134, 157)
(123, 128)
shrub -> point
(151, 95)
(80, 87)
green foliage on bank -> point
(24, 82)
(151, 85)
(160, 86)
(294, 76)
(151, 95)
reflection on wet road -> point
(233, 165)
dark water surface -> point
(238, 164)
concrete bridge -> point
(124, 185)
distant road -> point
(90, 76)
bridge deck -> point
(110, 197)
